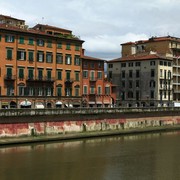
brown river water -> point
(154, 156)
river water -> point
(153, 156)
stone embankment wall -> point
(18, 129)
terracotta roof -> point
(32, 31)
(9, 17)
(139, 58)
(92, 58)
(52, 27)
(154, 39)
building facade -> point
(144, 78)
(41, 67)
(167, 46)
(97, 90)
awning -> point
(39, 106)
(25, 103)
(107, 102)
(59, 103)
(98, 102)
(4, 103)
(91, 102)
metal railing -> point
(60, 111)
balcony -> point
(9, 77)
(92, 79)
(40, 79)
(69, 80)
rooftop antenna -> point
(42, 20)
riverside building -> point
(41, 67)
(147, 74)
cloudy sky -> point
(102, 24)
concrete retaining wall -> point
(80, 126)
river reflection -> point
(153, 156)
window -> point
(152, 94)
(21, 90)
(169, 74)
(59, 91)
(92, 65)
(68, 46)
(10, 90)
(161, 72)
(161, 63)
(9, 38)
(59, 58)
(77, 76)
(21, 40)
(138, 64)
(40, 91)
(92, 75)
(152, 84)
(92, 89)
(152, 73)
(68, 75)
(68, 59)
(40, 42)
(49, 91)
(130, 73)
(169, 63)
(30, 73)
(31, 55)
(123, 84)
(165, 63)
(0, 40)
(49, 74)
(130, 84)
(85, 64)
(99, 75)
(59, 74)
(77, 47)
(49, 57)
(9, 72)
(107, 90)
(123, 64)
(40, 56)
(137, 73)
(59, 45)
(21, 73)
(21, 55)
(100, 64)
(130, 64)
(77, 60)
(85, 88)
(99, 90)
(9, 54)
(85, 74)
(123, 74)
(68, 91)
(137, 84)
(49, 43)
(110, 65)
(31, 41)
(77, 90)
(40, 74)
(152, 63)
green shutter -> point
(21, 73)
(9, 72)
(31, 55)
(9, 53)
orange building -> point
(97, 90)
(40, 67)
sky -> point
(102, 24)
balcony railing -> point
(9, 77)
(93, 79)
(69, 80)
(41, 79)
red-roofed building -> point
(142, 80)
(97, 91)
